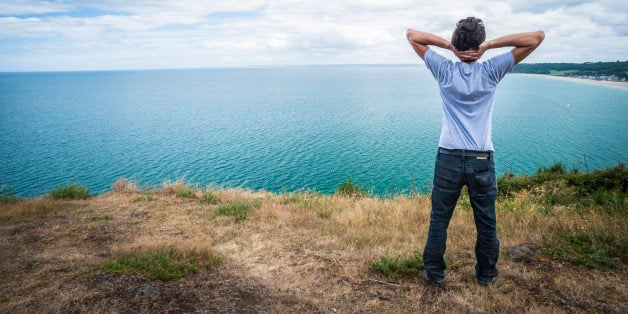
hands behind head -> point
(471, 54)
(468, 55)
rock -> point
(173, 305)
(149, 292)
(138, 214)
(31, 265)
(102, 278)
(526, 254)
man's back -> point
(465, 154)
(467, 90)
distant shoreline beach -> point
(582, 80)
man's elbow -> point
(409, 33)
(539, 36)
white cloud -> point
(21, 7)
(112, 34)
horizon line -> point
(420, 64)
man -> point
(465, 153)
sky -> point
(171, 34)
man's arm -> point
(421, 40)
(523, 43)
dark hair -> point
(469, 34)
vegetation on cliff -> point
(194, 249)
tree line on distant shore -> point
(602, 70)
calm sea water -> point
(282, 129)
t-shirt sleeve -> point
(437, 64)
(497, 67)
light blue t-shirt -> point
(467, 91)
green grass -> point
(99, 216)
(309, 201)
(562, 73)
(399, 266)
(348, 188)
(162, 263)
(186, 193)
(7, 195)
(238, 209)
(72, 191)
(554, 185)
(148, 196)
(209, 198)
(596, 248)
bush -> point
(607, 187)
(186, 193)
(593, 248)
(398, 267)
(72, 191)
(615, 178)
(348, 188)
(161, 263)
(557, 168)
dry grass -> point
(124, 185)
(294, 252)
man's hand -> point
(468, 55)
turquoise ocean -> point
(283, 128)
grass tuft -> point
(399, 266)
(348, 188)
(596, 248)
(209, 198)
(7, 195)
(186, 193)
(238, 209)
(99, 216)
(72, 191)
(161, 263)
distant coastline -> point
(581, 80)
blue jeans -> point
(451, 173)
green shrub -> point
(614, 201)
(209, 198)
(7, 195)
(398, 267)
(609, 179)
(186, 193)
(348, 188)
(557, 168)
(162, 263)
(148, 195)
(238, 209)
(72, 191)
(596, 248)
(607, 187)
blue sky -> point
(157, 34)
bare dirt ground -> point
(298, 253)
